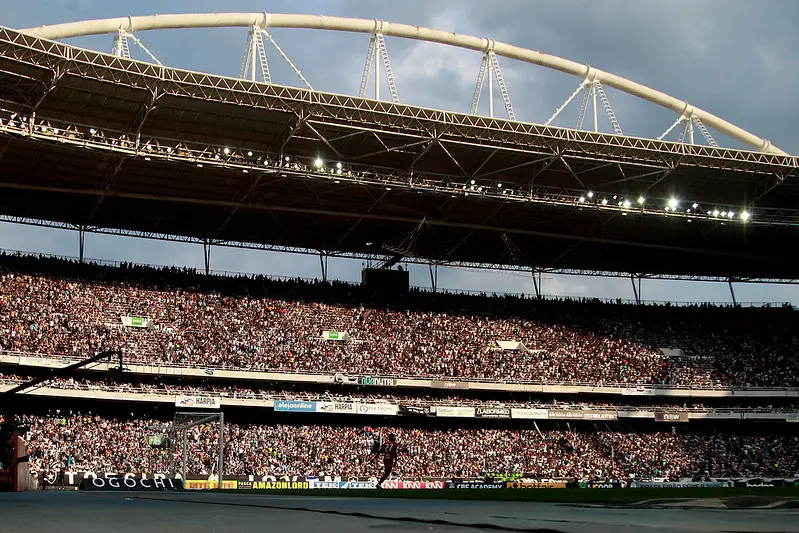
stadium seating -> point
(84, 442)
(59, 307)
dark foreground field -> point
(386, 512)
(743, 496)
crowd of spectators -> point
(266, 393)
(84, 442)
(59, 307)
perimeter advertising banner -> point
(377, 382)
(529, 414)
(661, 416)
(492, 412)
(524, 484)
(346, 408)
(480, 485)
(451, 411)
(198, 402)
(679, 484)
(580, 414)
(455, 385)
(295, 406)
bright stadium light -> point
(226, 150)
(604, 201)
(715, 212)
(730, 214)
(339, 165)
(318, 163)
(745, 216)
(499, 185)
(673, 203)
(695, 205)
(582, 199)
(590, 194)
(724, 213)
(641, 200)
(626, 204)
(472, 182)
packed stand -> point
(63, 308)
(92, 443)
(261, 393)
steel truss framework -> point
(392, 145)
(378, 28)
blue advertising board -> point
(295, 406)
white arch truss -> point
(267, 20)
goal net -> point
(195, 446)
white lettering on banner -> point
(530, 414)
(160, 483)
(145, 483)
(198, 402)
(98, 482)
(454, 412)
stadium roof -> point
(204, 157)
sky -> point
(734, 58)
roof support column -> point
(636, 290)
(207, 256)
(732, 292)
(433, 277)
(81, 242)
(537, 283)
(323, 257)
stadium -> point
(129, 376)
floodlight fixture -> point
(590, 194)
(249, 154)
(226, 150)
(673, 203)
(641, 200)
(582, 199)
(604, 201)
(746, 216)
(715, 212)
(724, 213)
(318, 163)
(626, 204)
(339, 165)
(695, 205)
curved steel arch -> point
(265, 20)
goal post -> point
(171, 436)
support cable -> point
(286, 59)
(392, 85)
(579, 88)
(245, 62)
(674, 125)
(705, 133)
(608, 109)
(478, 88)
(583, 106)
(503, 89)
(370, 54)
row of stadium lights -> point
(673, 206)
(590, 198)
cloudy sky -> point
(734, 58)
